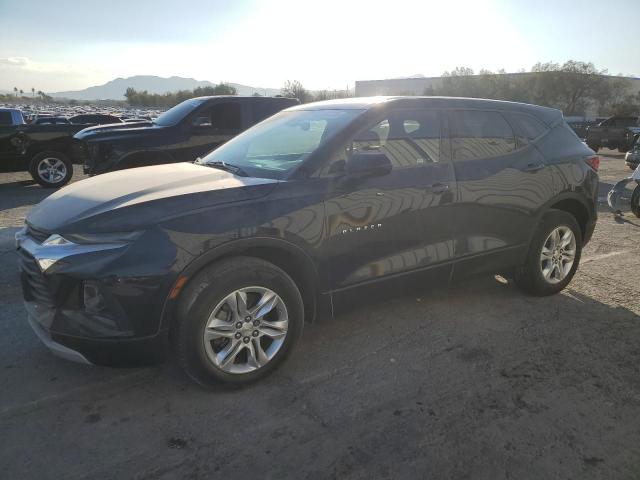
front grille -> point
(34, 286)
(38, 235)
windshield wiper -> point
(227, 167)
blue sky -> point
(70, 44)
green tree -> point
(224, 89)
(294, 89)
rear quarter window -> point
(526, 128)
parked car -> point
(41, 148)
(227, 258)
(614, 132)
(181, 134)
(632, 158)
(11, 117)
(95, 119)
(620, 195)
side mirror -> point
(371, 163)
(201, 122)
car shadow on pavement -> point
(22, 193)
(443, 364)
(623, 219)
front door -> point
(210, 127)
(380, 226)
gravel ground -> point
(475, 381)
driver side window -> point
(409, 139)
(221, 116)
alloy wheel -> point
(558, 254)
(52, 170)
(246, 330)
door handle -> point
(534, 167)
(438, 187)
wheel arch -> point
(576, 208)
(285, 255)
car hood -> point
(102, 131)
(137, 198)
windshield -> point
(174, 115)
(275, 147)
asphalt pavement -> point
(474, 381)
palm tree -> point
(33, 92)
(21, 92)
(15, 90)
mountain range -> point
(114, 89)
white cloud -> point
(14, 61)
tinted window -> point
(225, 116)
(180, 111)
(624, 122)
(526, 127)
(263, 109)
(6, 118)
(409, 138)
(476, 134)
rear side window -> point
(477, 134)
(264, 108)
(6, 118)
(226, 116)
(526, 127)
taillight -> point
(593, 162)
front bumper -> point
(44, 335)
(125, 332)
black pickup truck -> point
(43, 150)
(182, 134)
(614, 132)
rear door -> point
(386, 225)
(502, 183)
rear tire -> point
(212, 320)
(51, 169)
(547, 269)
(635, 201)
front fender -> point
(235, 247)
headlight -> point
(93, 238)
(57, 247)
(56, 240)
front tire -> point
(51, 169)
(237, 321)
(554, 255)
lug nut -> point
(238, 335)
(246, 339)
(239, 325)
(247, 318)
(255, 333)
(256, 323)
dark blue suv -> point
(225, 259)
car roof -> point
(546, 114)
